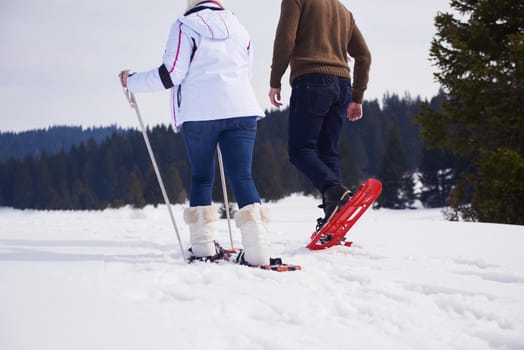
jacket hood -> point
(218, 25)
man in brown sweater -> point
(315, 38)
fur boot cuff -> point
(207, 214)
(252, 213)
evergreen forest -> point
(106, 170)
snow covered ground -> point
(115, 280)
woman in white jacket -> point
(207, 65)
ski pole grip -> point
(130, 97)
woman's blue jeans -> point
(318, 108)
(236, 137)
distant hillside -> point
(51, 140)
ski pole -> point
(132, 102)
(224, 191)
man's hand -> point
(123, 77)
(274, 97)
(354, 111)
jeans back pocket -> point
(247, 123)
(320, 97)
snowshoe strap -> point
(275, 261)
(238, 257)
(221, 254)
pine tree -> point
(437, 177)
(357, 158)
(43, 182)
(135, 192)
(350, 173)
(81, 197)
(110, 178)
(394, 175)
(174, 187)
(23, 186)
(479, 52)
(407, 194)
(266, 172)
(371, 131)
(500, 192)
(291, 182)
(152, 192)
(3, 180)
(61, 196)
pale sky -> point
(59, 59)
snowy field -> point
(115, 280)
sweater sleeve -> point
(173, 70)
(284, 40)
(358, 49)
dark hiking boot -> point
(333, 198)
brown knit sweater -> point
(316, 36)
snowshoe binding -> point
(236, 256)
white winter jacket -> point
(207, 65)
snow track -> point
(114, 279)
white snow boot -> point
(252, 221)
(201, 221)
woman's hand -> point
(123, 77)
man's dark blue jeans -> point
(318, 108)
(236, 137)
